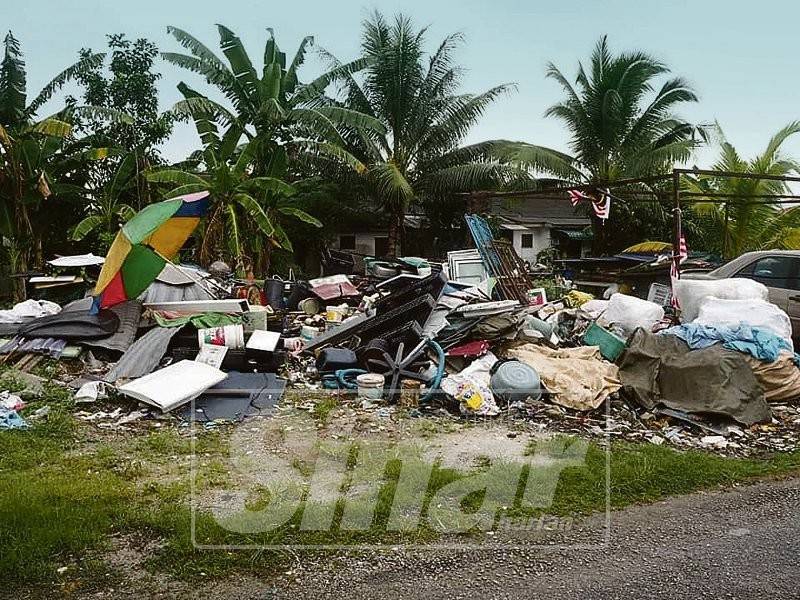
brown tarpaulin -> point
(578, 377)
(661, 369)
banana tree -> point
(107, 211)
(275, 108)
(247, 211)
(32, 153)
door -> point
(781, 275)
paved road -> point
(742, 543)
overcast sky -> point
(741, 57)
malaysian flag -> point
(575, 196)
(602, 206)
(674, 271)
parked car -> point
(779, 270)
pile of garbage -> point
(410, 334)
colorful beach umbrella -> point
(145, 244)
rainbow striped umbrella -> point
(145, 244)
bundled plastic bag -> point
(595, 307)
(756, 313)
(691, 292)
(626, 313)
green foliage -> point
(273, 108)
(129, 87)
(238, 201)
(416, 98)
(744, 223)
(109, 211)
(39, 160)
(617, 129)
(622, 125)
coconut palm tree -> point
(420, 157)
(744, 222)
(622, 124)
(274, 109)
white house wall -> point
(365, 242)
(541, 241)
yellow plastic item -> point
(577, 298)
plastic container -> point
(611, 345)
(231, 336)
(336, 314)
(256, 318)
(514, 381)
(308, 333)
(370, 386)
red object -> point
(114, 292)
(477, 348)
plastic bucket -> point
(231, 336)
(370, 386)
(255, 319)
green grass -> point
(324, 407)
(61, 498)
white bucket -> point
(370, 386)
(231, 336)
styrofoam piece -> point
(263, 340)
(77, 260)
(174, 385)
(202, 306)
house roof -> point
(538, 211)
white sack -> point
(691, 292)
(756, 313)
(628, 313)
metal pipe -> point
(736, 175)
(676, 243)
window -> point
(527, 240)
(470, 272)
(774, 271)
(381, 246)
(347, 242)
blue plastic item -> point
(514, 381)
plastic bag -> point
(691, 292)
(626, 313)
(595, 307)
(756, 313)
(471, 387)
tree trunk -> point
(19, 264)
(395, 241)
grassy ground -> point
(66, 492)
